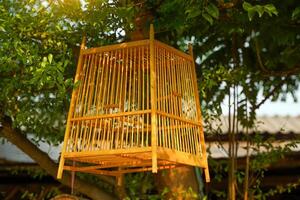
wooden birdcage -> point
(136, 108)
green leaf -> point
(165, 191)
(2, 29)
(208, 18)
(251, 13)
(259, 9)
(192, 13)
(247, 6)
(50, 58)
(296, 13)
(250, 9)
(270, 9)
(212, 10)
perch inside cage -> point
(136, 109)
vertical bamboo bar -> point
(105, 98)
(129, 95)
(143, 94)
(100, 97)
(139, 68)
(78, 103)
(153, 101)
(163, 94)
(95, 100)
(118, 96)
(148, 92)
(93, 85)
(88, 101)
(133, 134)
(199, 116)
(180, 90)
(159, 95)
(74, 94)
(124, 98)
(102, 68)
(86, 86)
(166, 101)
(113, 96)
(170, 93)
(176, 102)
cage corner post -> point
(153, 101)
(71, 110)
(199, 117)
(60, 167)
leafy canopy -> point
(252, 44)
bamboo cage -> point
(136, 109)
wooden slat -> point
(153, 101)
(172, 49)
(144, 169)
(199, 118)
(179, 118)
(71, 110)
(115, 46)
(110, 165)
(107, 152)
(111, 115)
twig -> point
(293, 71)
(269, 95)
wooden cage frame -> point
(136, 109)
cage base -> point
(121, 161)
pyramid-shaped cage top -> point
(136, 108)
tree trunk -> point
(20, 140)
(181, 183)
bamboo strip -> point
(118, 98)
(172, 49)
(107, 152)
(71, 110)
(101, 172)
(133, 92)
(179, 118)
(199, 117)
(184, 133)
(162, 94)
(111, 115)
(153, 101)
(99, 137)
(139, 67)
(113, 96)
(80, 80)
(145, 169)
(78, 129)
(159, 86)
(85, 98)
(165, 92)
(115, 47)
(91, 91)
(111, 165)
(143, 91)
(148, 91)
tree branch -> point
(277, 87)
(293, 71)
(20, 140)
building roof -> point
(266, 124)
